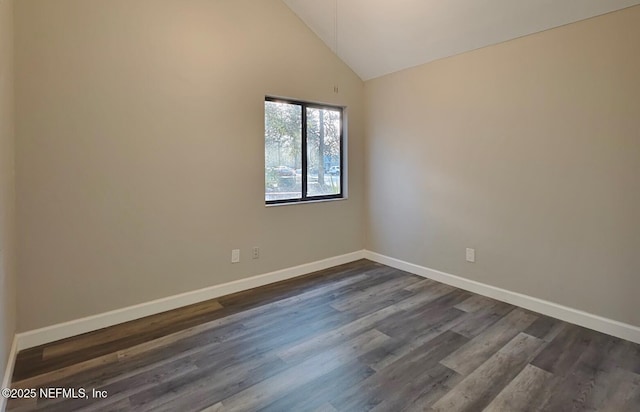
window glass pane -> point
(323, 151)
(283, 151)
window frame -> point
(305, 198)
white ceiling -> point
(376, 37)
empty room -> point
(320, 205)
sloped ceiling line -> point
(378, 37)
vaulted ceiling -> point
(377, 37)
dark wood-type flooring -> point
(357, 337)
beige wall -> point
(140, 156)
(7, 185)
(140, 153)
(527, 151)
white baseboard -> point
(8, 372)
(64, 330)
(567, 314)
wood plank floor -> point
(357, 337)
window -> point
(303, 145)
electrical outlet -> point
(471, 255)
(255, 252)
(235, 256)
